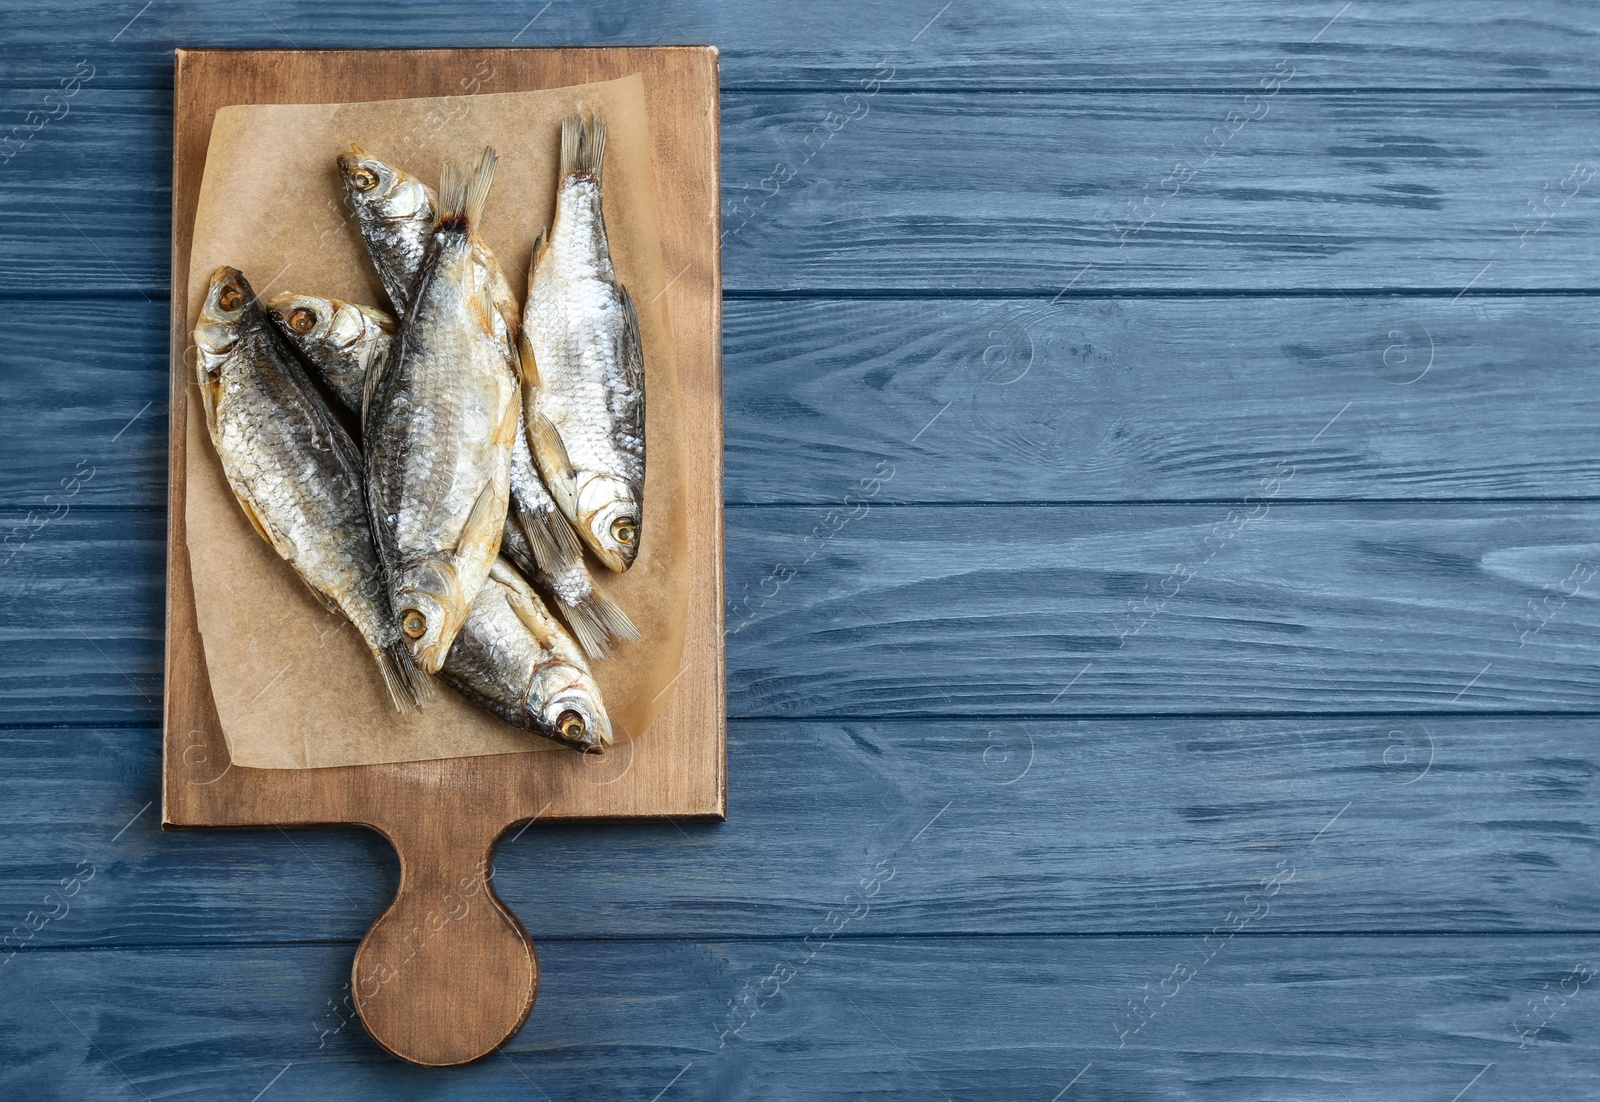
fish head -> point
(317, 324)
(565, 702)
(227, 309)
(427, 603)
(609, 511)
(380, 191)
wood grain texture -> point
(1443, 825)
(1161, 399)
(1104, 609)
(927, 192)
(1324, 609)
(1015, 45)
(1411, 1018)
(1115, 400)
(1132, 824)
(447, 974)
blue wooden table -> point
(1163, 523)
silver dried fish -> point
(514, 659)
(439, 420)
(340, 340)
(395, 213)
(583, 363)
(295, 471)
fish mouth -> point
(612, 560)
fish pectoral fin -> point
(524, 602)
(369, 388)
(559, 477)
(261, 529)
(506, 435)
(486, 523)
(529, 365)
(506, 303)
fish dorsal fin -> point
(541, 246)
(486, 523)
(559, 477)
(523, 601)
(631, 347)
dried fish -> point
(583, 363)
(514, 659)
(439, 421)
(396, 213)
(339, 340)
(295, 471)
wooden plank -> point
(1164, 399)
(1245, 608)
(1274, 1017)
(1039, 403)
(479, 983)
(926, 192)
(1017, 45)
(1325, 609)
(1381, 824)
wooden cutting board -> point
(447, 973)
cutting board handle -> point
(447, 974)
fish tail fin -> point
(461, 198)
(597, 622)
(408, 686)
(553, 542)
(583, 146)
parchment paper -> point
(294, 685)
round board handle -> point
(447, 974)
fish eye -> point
(624, 530)
(230, 299)
(414, 624)
(302, 320)
(571, 726)
(364, 179)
